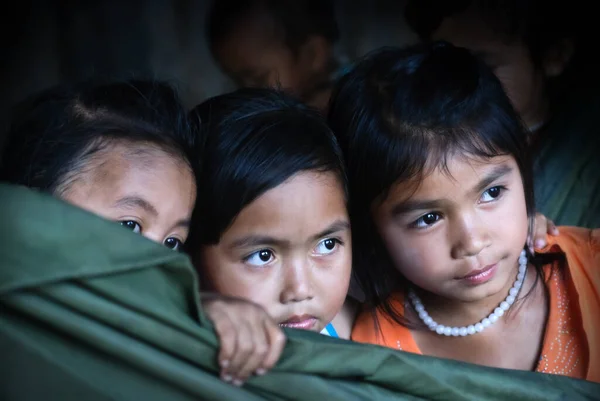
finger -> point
(260, 347)
(277, 342)
(540, 233)
(552, 229)
(226, 332)
(243, 349)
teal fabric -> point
(567, 166)
(90, 311)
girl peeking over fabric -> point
(442, 210)
(124, 151)
(272, 221)
(121, 150)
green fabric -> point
(567, 166)
(90, 311)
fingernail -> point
(224, 363)
(227, 378)
(237, 383)
(540, 243)
(260, 371)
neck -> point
(452, 312)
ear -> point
(557, 57)
(315, 54)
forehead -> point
(301, 206)
(120, 170)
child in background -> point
(277, 43)
(540, 52)
(442, 210)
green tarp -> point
(90, 311)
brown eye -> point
(327, 246)
(132, 225)
(259, 258)
(491, 194)
(173, 243)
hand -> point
(542, 228)
(251, 342)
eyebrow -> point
(256, 240)
(413, 205)
(132, 202)
(496, 173)
(335, 227)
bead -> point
(485, 322)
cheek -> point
(333, 280)
(512, 221)
(232, 279)
(414, 256)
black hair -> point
(295, 20)
(399, 114)
(56, 133)
(254, 140)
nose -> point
(471, 236)
(297, 285)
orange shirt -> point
(571, 344)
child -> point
(272, 221)
(126, 152)
(441, 195)
(268, 43)
(119, 150)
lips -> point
(478, 272)
(303, 322)
(480, 276)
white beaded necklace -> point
(485, 322)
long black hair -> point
(254, 140)
(398, 114)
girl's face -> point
(288, 251)
(144, 188)
(459, 235)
